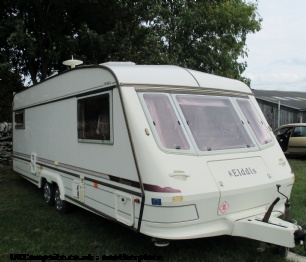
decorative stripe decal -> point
(120, 180)
(113, 187)
(124, 181)
(147, 187)
(50, 167)
(155, 188)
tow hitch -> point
(299, 234)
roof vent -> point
(111, 63)
(72, 62)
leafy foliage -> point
(9, 84)
(206, 35)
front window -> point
(166, 122)
(213, 122)
(256, 124)
(204, 123)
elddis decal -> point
(242, 171)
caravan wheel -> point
(48, 193)
(60, 205)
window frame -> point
(261, 145)
(194, 150)
(20, 125)
(109, 141)
(191, 150)
(218, 151)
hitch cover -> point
(275, 231)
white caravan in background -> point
(170, 152)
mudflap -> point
(275, 231)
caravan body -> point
(170, 152)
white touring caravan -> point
(170, 152)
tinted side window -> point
(299, 131)
(94, 118)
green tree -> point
(206, 35)
(38, 30)
(9, 83)
(10, 80)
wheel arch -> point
(52, 178)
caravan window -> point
(256, 124)
(166, 122)
(94, 118)
(213, 122)
(19, 119)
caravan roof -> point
(169, 75)
(90, 78)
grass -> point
(29, 226)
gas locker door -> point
(244, 184)
(124, 208)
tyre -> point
(60, 205)
(48, 191)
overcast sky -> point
(277, 53)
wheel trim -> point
(47, 192)
(58, 201)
